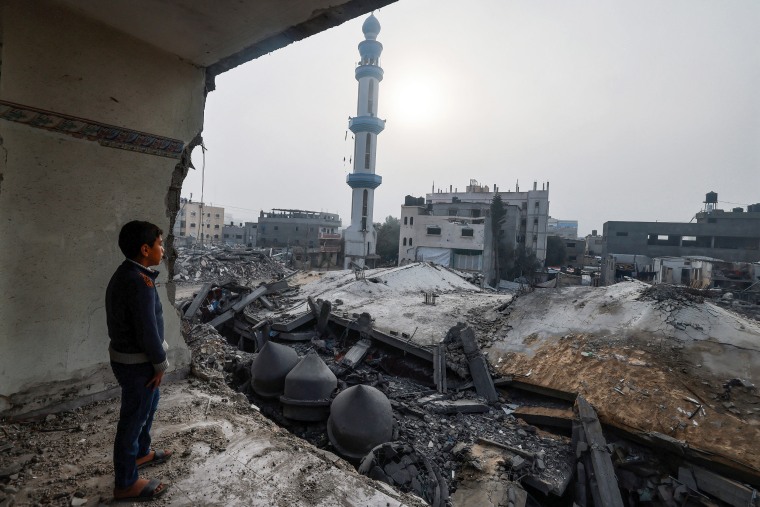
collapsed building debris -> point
(439, 420)
(213, 263)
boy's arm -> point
(152, 342)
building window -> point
(192, 213)
(182, 224)
(433, 230)
(535, 221)
(371, 97)
(572, 258)
(276, 227)
(452, 212)
(192, 225)
(570, 245)
(411, 220)
(467, 232)
(216, 226)
(535, 204)
(296, 227)
(226, 235)
(404, 241)
(365, 196)
(367, 150)
(208, 226)
(181, 233)
(405, 220)
(216, 236)
(621, 233)
(238, 236)
(217, 215)
(410, 241)
(208, 215)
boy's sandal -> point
(159, 456)
(147, 494)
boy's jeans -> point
(138, 405)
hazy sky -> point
(632, 110)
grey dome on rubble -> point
(308, 388)
(269, 369)
(360, 419)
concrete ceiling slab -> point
(222, 34)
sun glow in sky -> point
(632, 110)
(415, 101)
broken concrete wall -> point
(64, 198)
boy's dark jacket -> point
(135, 317)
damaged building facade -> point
(454, 229)
(729, 236)
(198, 222)
(99, 112)
(312, 237)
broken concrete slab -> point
(601, 473)
(198, 300)
(458, 407)
(545, 416)
(477, 363)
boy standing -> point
(138, 357)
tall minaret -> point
(360, 237)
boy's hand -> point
(155, 381)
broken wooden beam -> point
(602, 474)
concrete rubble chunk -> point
(605, 484)
(477, 363)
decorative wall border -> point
(107, 135)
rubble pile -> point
(215, 263)
(446, 407)
(674, 294)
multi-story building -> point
(575, 249)
(533, 208)
(731, 236)
(567, 229)
(199, 222)
(312, 235)
(233, 234)
(242, 234)
(454, 228)
(594, 244)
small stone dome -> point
(371, 27)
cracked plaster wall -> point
(63, 200)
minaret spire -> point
(360, 237)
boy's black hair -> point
(135, 234)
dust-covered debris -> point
(216, 263)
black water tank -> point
(711, 198)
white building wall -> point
(74, 195)
(450, 238)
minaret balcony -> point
(369, 71)
(371, 124)
(364, 180)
